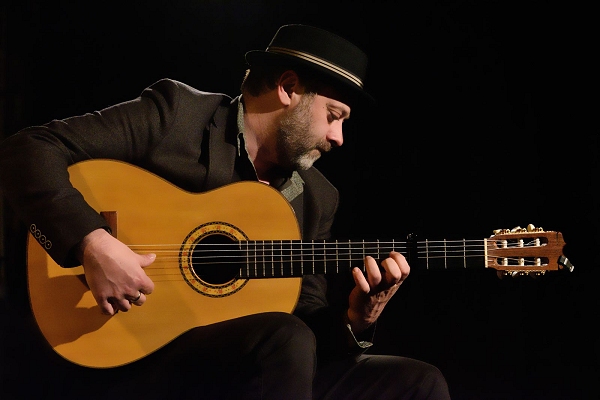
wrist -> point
(356, 321)
(352, 339)
(96, 234)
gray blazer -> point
(171, 129)
(180, 133)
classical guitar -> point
(222, 254)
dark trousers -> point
(272, 356)
(264, 356)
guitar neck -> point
(295, 258)
(514, 252)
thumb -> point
(147, 259)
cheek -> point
(319, 132)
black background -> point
(479, 125)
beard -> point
(296, 148)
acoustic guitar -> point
(221, 254)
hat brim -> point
(355, 95)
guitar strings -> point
(431, 250)
(281, 252)
(316, 245)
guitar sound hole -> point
(216, 259)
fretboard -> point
(296, 258)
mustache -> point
(324, 146)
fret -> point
(272, 260)
(265, 262)
(293, 265)
(286, 260)
(325, 259)
(319, 260)
(292, 261)
(427, 254)
(322, 260)
(313, 256)
(337, 257)
(357, 253)
(301, 259)
(332, 256)
(464, 253)
(245, 245)
(255, 259)
(363, 249)
(280, 271)
(445, 255)
(280, 257)
(349, 252)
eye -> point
(332, 116)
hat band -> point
(315, 60)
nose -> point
(336, 135)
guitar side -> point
(151, 211)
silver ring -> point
(137, 298)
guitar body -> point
(151, 211)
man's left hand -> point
(375, 288)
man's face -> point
(309, 128)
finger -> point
(402, 263)
(139, 299)
(147, 259)
(373, 271)
(392, 273)
(360, 280)
(147, 286)
(107, 308)
(121, 304)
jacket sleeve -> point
(33, 163)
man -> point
(295, 97)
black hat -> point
(321, 51)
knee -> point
(417, 378)
(289, 343)
(434, 383)
(287, 358)
(292, 335)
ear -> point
(287, 84)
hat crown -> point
(324, 52)
(323, 48)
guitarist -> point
(294, 99)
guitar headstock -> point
(526, 251)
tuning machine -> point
(517, 229)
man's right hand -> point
(114, 272)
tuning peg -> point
(532, 228)
(518, 229)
